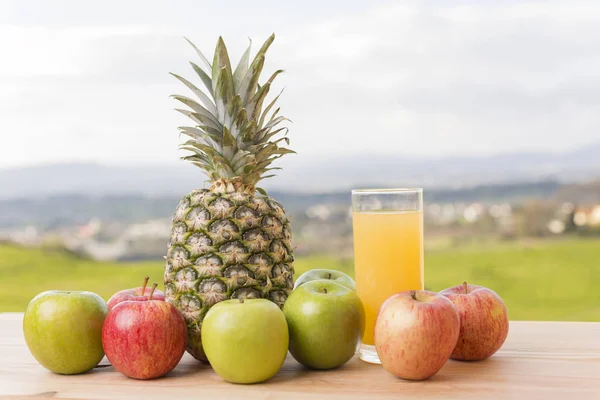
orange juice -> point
(388, 258)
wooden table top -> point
(540, 360)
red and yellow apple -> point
(144, 338)
(483, 321)
(135, 294)
(415, 333)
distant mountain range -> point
(308, 174)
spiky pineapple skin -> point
(226, 245)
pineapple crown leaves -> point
(233, 137)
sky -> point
(89, 82)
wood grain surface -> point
(540, 360)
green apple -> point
(245, 340)
(335, 276)
(63, 330)
(325, 320)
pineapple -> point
(230, 240)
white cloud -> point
(405, 79)
(452, 80)
(42, 51)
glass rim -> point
(396, 190)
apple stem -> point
(146, 279)
(413, 294)
(325, 290)
(152, 291)
(329, 275)
(466, 287)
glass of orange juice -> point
(388, 251)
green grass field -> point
(550, 280)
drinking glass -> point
(388, 251)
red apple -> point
(415, 333)
(135, 294)
(144, 338)
(483, 321)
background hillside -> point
(539, 281)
